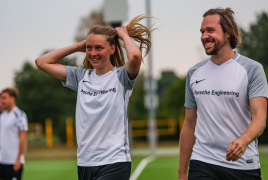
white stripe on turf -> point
(140, 167)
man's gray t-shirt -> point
(101, 114)
(221, 94)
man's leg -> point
(11, 174)
(114, 171)
(235, 174)
(85, 173)
(201, 171)
(2, 172)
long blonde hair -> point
(136, 31)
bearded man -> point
(226, 102)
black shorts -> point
(204, 171)
(116, 171)
(7, 172)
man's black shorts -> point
(116, 171)
(7, 172)
(204, 171)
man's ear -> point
(228, 35)
(112, 49)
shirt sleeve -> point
(257, 86)
(189, 95)
(124, 79)
(22, 122)
(73, 76)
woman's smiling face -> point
(98, 50)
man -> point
(0, 104)
(13, 137)
(225, 104)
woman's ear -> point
(112, 49)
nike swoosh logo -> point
(199, 81)
(86, 81)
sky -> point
(29, 27)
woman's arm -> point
(133, 53)
(48, 62)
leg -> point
(201, 171)
(11, 174)
(114, 171)
(235, 174)
(85, 173)
(2, 172)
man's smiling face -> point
(213, 38)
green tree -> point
(255, 41)
(42, 96)
(174, 102)
(167, 79)
(254, 45)
(136, 108)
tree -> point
(136, 108)
(93, 18)
(254, 45)
(42, 96)
(168, 78)
(255, 41)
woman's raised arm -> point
(48, 62)
(134, 55)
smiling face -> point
(213, 38)
(98, 51)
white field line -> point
(140, 167)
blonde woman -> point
(103, 86)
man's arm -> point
(258, 107)
(187, 140)
(22, 149)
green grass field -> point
(159, 169)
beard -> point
(217, 47)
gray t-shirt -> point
(101, 114)
(221, 95)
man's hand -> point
(236, 149)
(17, 165)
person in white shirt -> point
(103, 86)
(1, 104)
(226, 103)
(13, 137)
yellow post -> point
(181, 121)
(69, 132)
(49, 132)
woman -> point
(103, 86)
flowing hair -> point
(136, 31)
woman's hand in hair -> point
(122, 32)
(133, 53)
(81, 46)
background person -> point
(13, 136)
(1, 104)
(103, 86)
(226, 103)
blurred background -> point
(31, 28)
